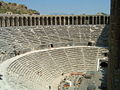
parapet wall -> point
(7, 20)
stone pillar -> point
(16, 21)
(68, 20)
(30, 21)
(93, 20)
(103, 19)
(3, 21)
(64, 21)
(114, 47)
(38, 21)
(0, 22)
(60, 20)
(99, 20)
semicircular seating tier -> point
(39, 69)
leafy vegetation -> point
(15, 8)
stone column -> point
(93, 20)
(38, 21)
(59, 20)
(114, 47)
(99, 20)
(0, 22)
(3, 21)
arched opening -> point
(70, 20)
(102, 20)
(98, 20)
(79, 20)
(53, 20)
(66, 20)
(24, 21)
(75, 21)
(33, 21)
(37, 21)
(103, 64)
(51, 45)
(6, 21)
(0, 21)
(11, 21)
(105, 54)
(62, 20)
(29, 21)
(89, 43)
(20, 21)
(41, 21)
(49, 20)
(95, 19)
(106, 19)
(86, 20)
(83, 20)
(45, 20)
(90, 20)
(58, 21)
(15, 21)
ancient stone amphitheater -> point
(38, 51)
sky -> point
(76, 7)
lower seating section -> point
(18, 40)
(38, 70)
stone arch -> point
(37, 21)
(98, 19)
(20, 21)
(101, 20)
(29, 21)
(86, 20)
(41, 20)
(58, 20)
(53, 20)
(45, 20)
(24, 21)
(11, 21)
(106, 19)
(90, 20)
(66, 21)
(0, 21)
(62, 20)
(33, 21)
(74, 20)
(49, 20)
(83, 20)
(70, 20)
(79, 20)
(95, 19)
(15, 21)
(6, 21)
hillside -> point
(15, 8)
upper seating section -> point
(17, 40)
(7, 20)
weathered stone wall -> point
(114, 45)
(19, 40)
(8, 20)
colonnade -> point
(22, 20)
